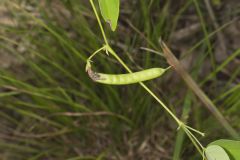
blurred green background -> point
(51, 110)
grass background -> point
(50, 109)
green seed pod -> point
(129, 78)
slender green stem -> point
(108, 48)
(179, 122)
(90, 57)
(100, 49)
(202, 134)
(145, 87)
(195, 138)
(99, 22)
(192, 139)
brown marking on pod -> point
(93, 75)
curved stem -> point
(186, 128)
(88, 65)
(100, 49)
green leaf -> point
(215, 152)
(110, 12)
(230, 146)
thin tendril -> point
(196, 131)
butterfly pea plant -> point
(218, 150)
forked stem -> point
(186, 128)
